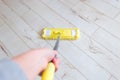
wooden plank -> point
(29, 36)
(70, 16)
(118, 17)
(17, 6)
(2, 54)
(72, 54)
(70, 3)
(113, 78)
(57, 21)
(66, 70)
(43, 11)
(108, 60)
(98, 5)
(1, 22)
(37, 21)
(9, 39)
(103, 7)
(108, 41)
(86, 12)
(81, 61)
(109, 24)
(115, 3)
(3, 51)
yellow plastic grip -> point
(48, 73)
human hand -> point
(35, 61)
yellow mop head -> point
(65, 33)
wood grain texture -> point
(106, 59)
(91, 15)
(9, 39)
(103, 7)
(113, 78)
(70, 3)
(95, 56)
(94, 71)
(105, 22)
(88, 49)
(118, 17)
(17, 6)
(70, 16)
(1, 22)
(98, 56)
(66, 69)
(59, 21)
(115, 3)
(35, 17)
(29, 36)
(111, 43)
(3, 51)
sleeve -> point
(9, 70)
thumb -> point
(49, 54)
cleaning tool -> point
(59, 34)
(65, 33)
(48, 73)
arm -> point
(35, 61)
(27, 65)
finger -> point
(48, 53)
(52, 55)
(56, 62)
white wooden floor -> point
(95, 56)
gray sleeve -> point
(9, 70)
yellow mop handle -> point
(48, 73)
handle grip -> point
(48, 73)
